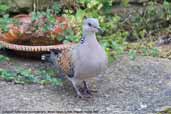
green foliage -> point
(143, 49)
(132, 54)
(22, 76)
(5, 21)
(45, 21)
(3, 9)
(125, 3)
(42, 20)
(48, 77)
(3, 58)
(68, 37)
(56, 8)
(167, 10)
(143, 24)
(6, 75)
(42, 24)
(155, 52)
(1, 46)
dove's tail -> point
(45, 57)
(53, 59)
(55, 51)
(52, 56)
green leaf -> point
(56, 7)
(132, 54)
(125, 3)
(7, 75)
(80, 14)
(154, 52)
(66, 41)
(1, 46)
(4, 8)
(26, 72)
(3, 58)
(56, 82)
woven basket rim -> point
(35, 48)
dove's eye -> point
(89, 24)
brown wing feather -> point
(65, 61)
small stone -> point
(106, 95)
(142, 106)
(77, 109)
(169, 83)
(108, 109)
(41, 87)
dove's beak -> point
(100, 31)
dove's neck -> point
(89, 39)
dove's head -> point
(91, 25)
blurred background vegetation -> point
(131, 26)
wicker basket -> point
(22, 41)
(33, 51)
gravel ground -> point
(142, 86)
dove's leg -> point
(86, 90)
(76, 88)
(85, 87)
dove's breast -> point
(90, 62)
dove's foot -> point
(86, 91)
(83, 92)
(84, 96)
